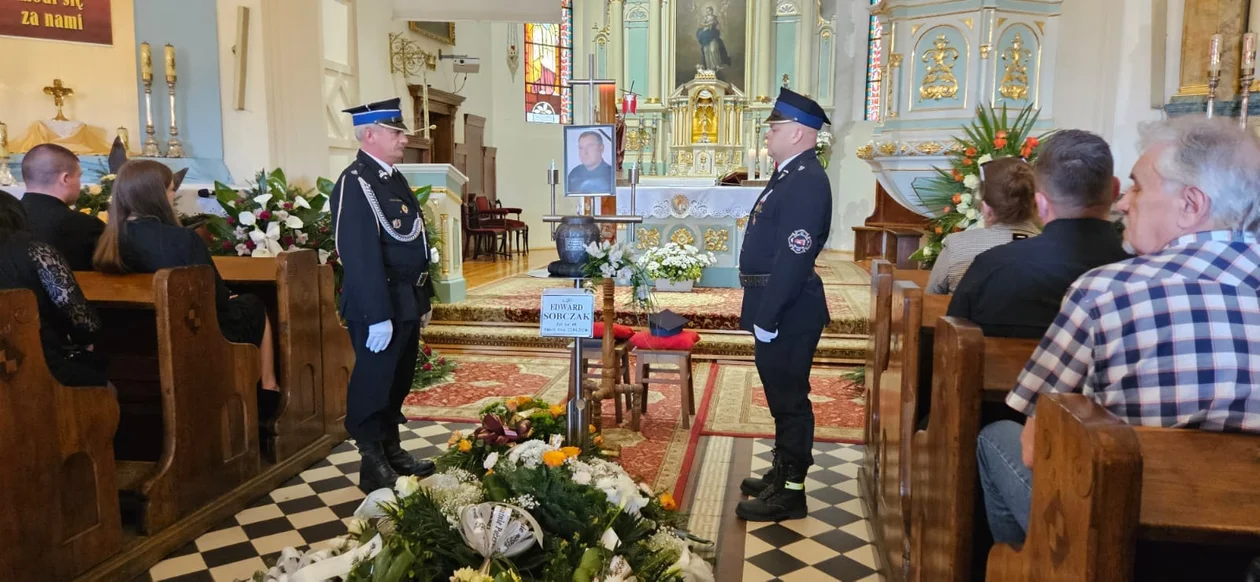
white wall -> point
(245, 148)
(852, 181)
(103, 78)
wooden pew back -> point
(876, 361)
(338, 356)
(57, 488)
(289, 285)
(167, 355)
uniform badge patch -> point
(800, 241)
(384, 175)
(397, 223)
(404, 208)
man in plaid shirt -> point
(1170, 338)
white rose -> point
(927, 252)
(967, 199)
(109, 177)
(986, 158)
(94, 190)
(407, 485)
(971, 182)
(972, 214)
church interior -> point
(537, 130)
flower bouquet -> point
(269, 217)
(675, 267)
(822, 148)
(605, 260)
(94, 198)
(512, 503)
(431, 368)
(954, 193)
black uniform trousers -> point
(783, 365)
(380, 382)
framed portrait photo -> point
(588, 160)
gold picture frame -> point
(443, 32)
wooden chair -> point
(968, 368)
(337, 356)
(593, 366)
(481, 236)
(289, 285)
(1105, 491)
(61, 514)
(187, 396)
(515, 226)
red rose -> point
(323, 230)
(249, 244)
(427, 367)
(428, 351)
(288, 206)
(288, 240)
(264, 215)
(231, 221)
(227, 245)
(442, 361)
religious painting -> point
(548, 69)
(710, 35)
(443, 32)
(88, 21)
(588, 161)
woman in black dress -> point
(68, 326)
(143, 236)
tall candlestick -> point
(170, 64)
(1249, 51)
(1214, 54)
(425, 107)
(146, 62)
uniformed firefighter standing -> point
(784, 305)
(385, 253)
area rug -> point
(659, 454)
(517, 300)
(738, 405)
(836, 269)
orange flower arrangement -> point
(465, 445)
(571, 451)
(554, 458)
(667, 502)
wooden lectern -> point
(892, 232)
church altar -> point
(711, 218)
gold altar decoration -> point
(715, 239)
(59, 93)
(939, 81)
(866, 152)
(707, 133)
(683, 237)
(1015, 78)
(76, 136)
(649, 238)
(741, 222)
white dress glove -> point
(426, 318)
(763, 335)
(379, 335)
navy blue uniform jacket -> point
(787, 228)
(382, 244)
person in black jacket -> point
(68, 326)
(784, 304)
(144, 236)
(52, 174)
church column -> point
(654, 57)
(294, 89)
(765, 73)
(807, 40)
(617, 65)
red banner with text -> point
(73, 20)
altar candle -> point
(146, 62)
(1214, 54)
(170, 63)
(1249, 51)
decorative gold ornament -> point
(971, 24)
(653, 100)
(59, 93)
(888, 148)
(1015, 77)
(715, 239)
(683, 237)
(915, 29)
(985, 49)
(649, 238)
(1041, 25)
(602, 35)
(741, 222)
(929, 148)
(939, 81)
(866, 152)
(406, 57)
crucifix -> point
(591, 83)
(59, 93)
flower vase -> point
(667, 286)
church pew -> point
(57, 489)
(1115, 502)
(338, 356)
(289, 285)
(899, 388)
(968, 368)
(187, 396)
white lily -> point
(293, 222)
(247, 218)
(692, 567)
(262, 200)
(300, 202)
(594, 250)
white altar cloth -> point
(688, 202)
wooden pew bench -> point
(899, 388)
(289, 286)
(57, 489)
(338, 356)
(968, 369)
(1115, 502)
(187, 396)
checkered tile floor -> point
(833, 542)
(310, 510)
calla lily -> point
(301, 202)
(262, 200)
(323, 256)
(293, 222)
(247, 218)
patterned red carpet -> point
(729, 401)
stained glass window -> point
(874, 74)
(548, 69)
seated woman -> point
(68, 325)
(143, 236)
(1009, 211)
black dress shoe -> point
(405, 464)
(783, 499)
(753, 486)
(375, 472)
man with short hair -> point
(1014, 290)
(593, 175)
(52, 175)
(380, 235)
(1164, 339)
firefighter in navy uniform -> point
(784, 305)
(384, 250)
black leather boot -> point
(753, 486)
(374, 471)
(405, 464)
(783, 499)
